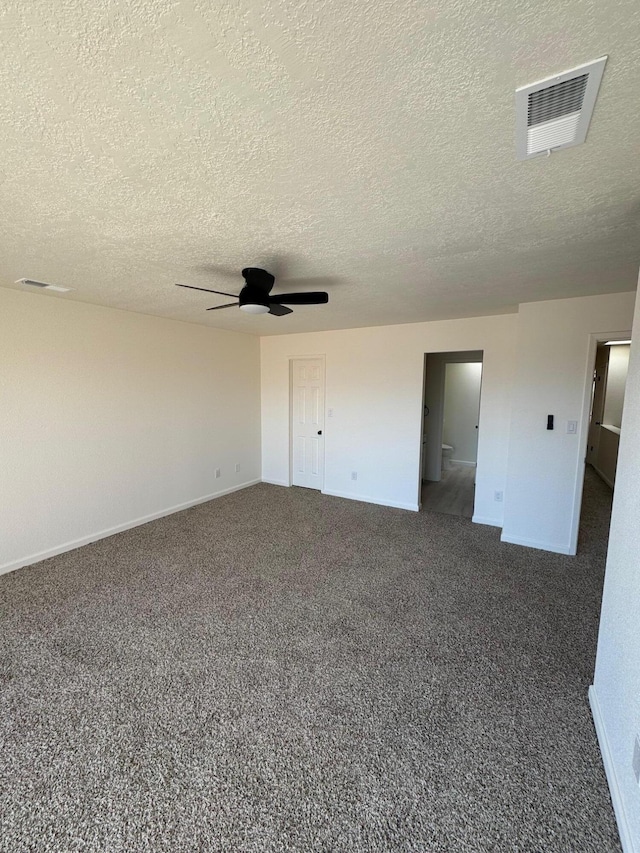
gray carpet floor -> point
(281, 671)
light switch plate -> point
(572, 427)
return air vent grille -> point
(31, 283)
(42, 285)
(555, 113)
(556, 101)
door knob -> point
(319, 432)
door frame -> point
(594, 339)
(444, 357)
(591, 433)
(321, 357)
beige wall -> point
(461, 405)
(555, 356)
(374, 382)
(374, 386)
(109, 417)
(615, 696)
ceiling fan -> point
(255, 296)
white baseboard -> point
(492, 522)
(463, 462)
(626, 839)
(276, 482)
(603, 476)
(119, 528)
(367, 500)
(555, 547)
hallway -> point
(595, 515)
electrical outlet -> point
(354, 475)
(497, 496)
(217, 473)
(636, 759)
(237, 467)
(329, 413)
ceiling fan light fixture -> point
(254, 308)
(254, 298)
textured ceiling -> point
(368, 143)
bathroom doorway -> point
(451, 406)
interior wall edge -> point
(626, 839)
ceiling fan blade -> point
(226, 305)
(208, 290)
(279, 310)
(311, 298)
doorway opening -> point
(607, 400)
(608, 382)
(451, 409)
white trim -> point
(462, 462)
(611, 428)
(602, 476)
(583, 440)
(626, 838)
(481, 519)
(119, 528)
(538, 543)
(276, 483)
(367, 500)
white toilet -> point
(447, 450)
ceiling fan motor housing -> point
(258, 285)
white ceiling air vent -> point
(555, 113)
(43, 285)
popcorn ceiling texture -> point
(369, 143)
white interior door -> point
(307, 428)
